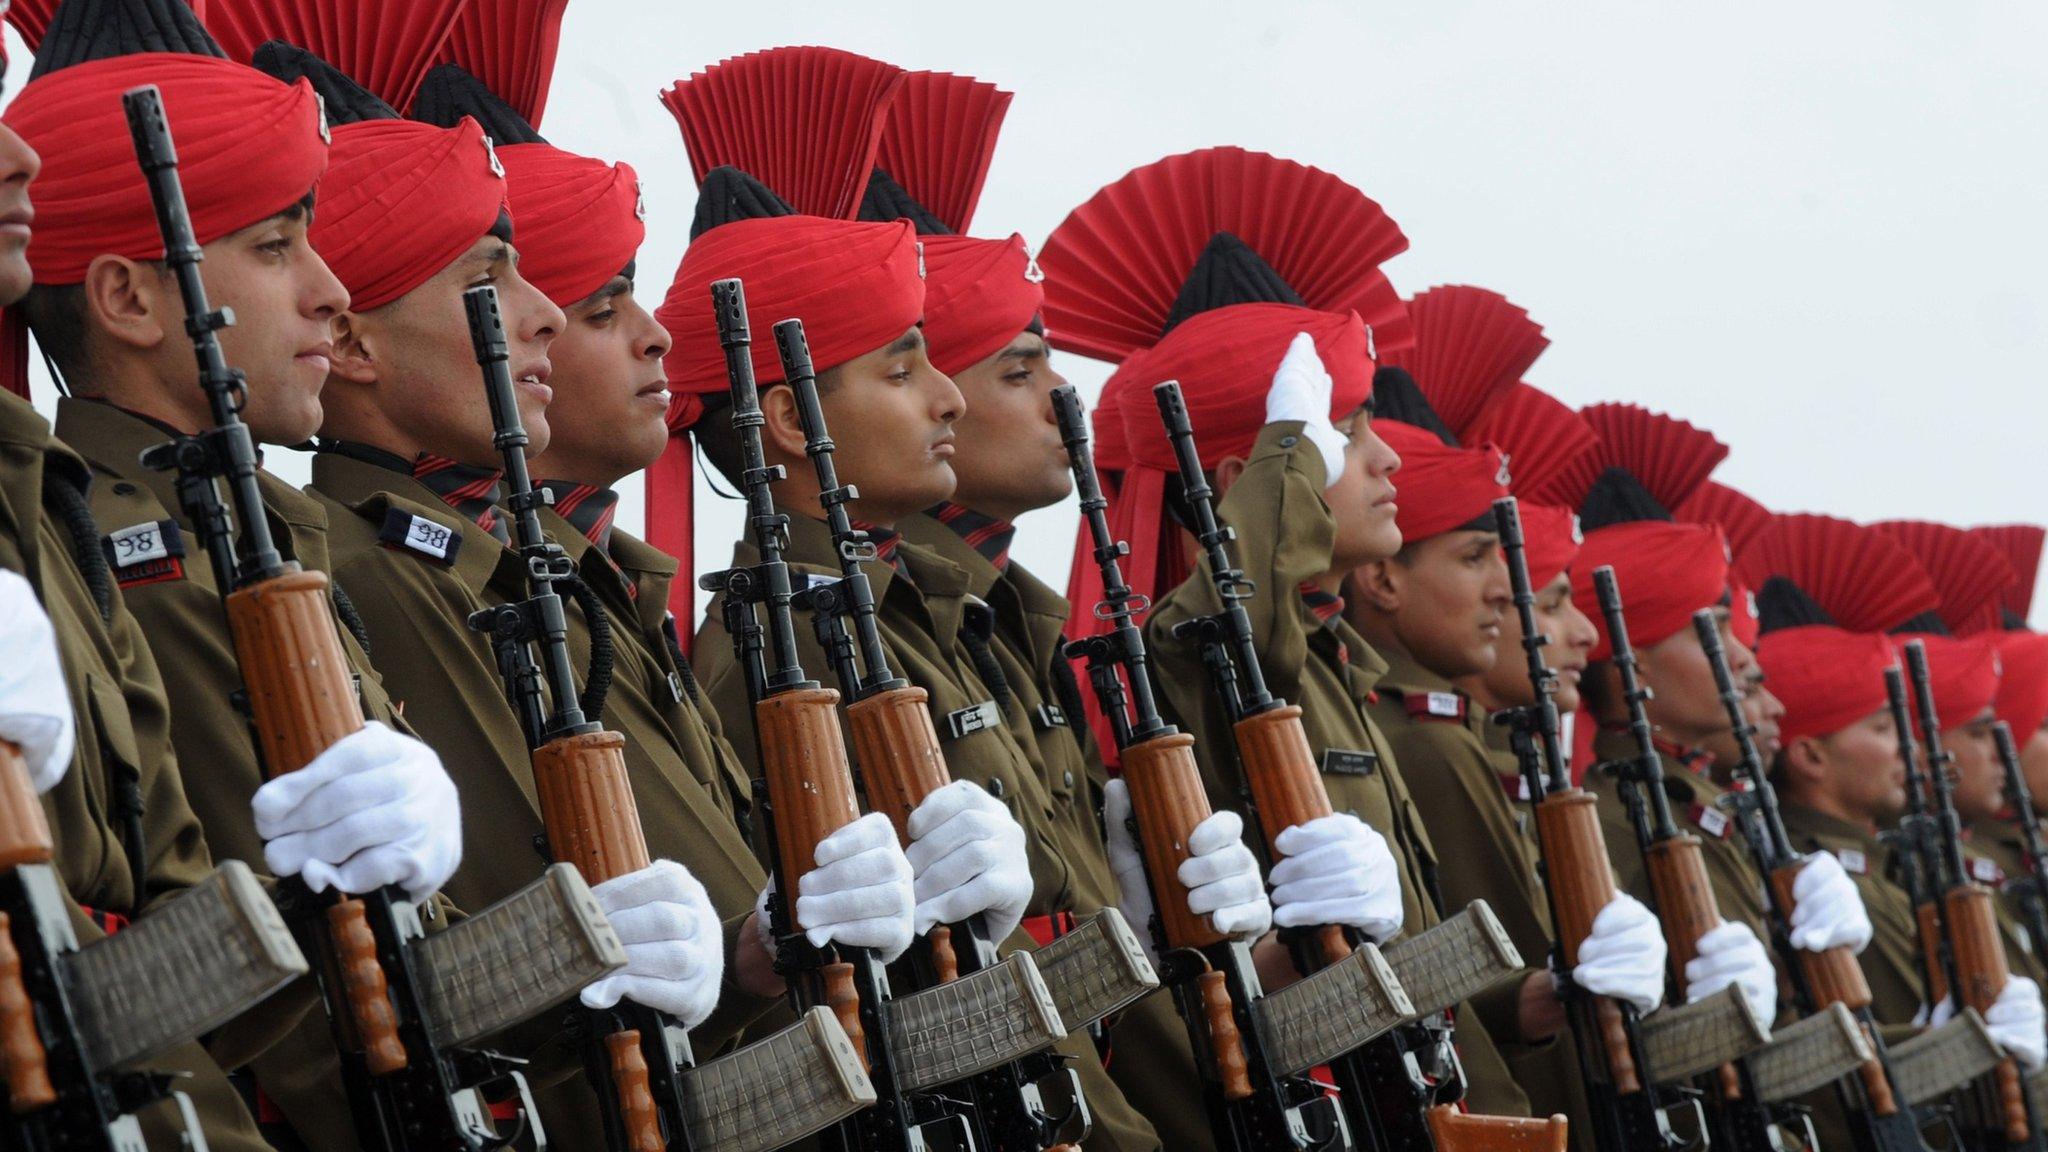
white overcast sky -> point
(1815, 228)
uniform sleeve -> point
(178, 855)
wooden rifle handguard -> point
(1835, 977)
(901, 763)
(1582, 883)
(24, 839)
(1687, 909)
(1287, 789)
(1455, 1131)
(1981, 970)
(302, 701)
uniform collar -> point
(588, 508)
(987, 535)
(1814, 822)
(1426, 693)
(372, 491)
(922, 583)
(473, 491)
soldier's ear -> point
(127, 302)
(1228, 470)
(1378, 585)
(353, 357)
(784, 429)
(1805, 759)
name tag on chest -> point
(973, 718)
(146, 553)
(1854, 861)
(1349, 762)
(1712, 821)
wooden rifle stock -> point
(1981, 970)
(1280, 770)
(810, 790)
(1581, 884)
(1455, 1131)
(1168, 802)
(24, 839)
(302, 700)
(901, 763)
(592, 822)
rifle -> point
(1255, 1093)
(76, 1023)
(1028, 1105)
(1629, 1095)
(912, 1044)
(2029, 890)
(402, 1009)
(1392, 1089)
(1972, 958)
(1870, 1102)
(654, 1097)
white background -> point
(1815, 228)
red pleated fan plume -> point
(510, 45)
(938, 140)
(1115, 265)
(1741, 517)
(31, 18)
(2021, 544)
(1670, 456)
(384, 45)
(1471, 346)
(1542, 437)
(1863, 578)
(1971, 573)
(804, 121)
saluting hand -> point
(35, 709)
(1302, 390)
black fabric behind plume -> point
(1228, 272)
(886, 200)
(86, 30)
(345, 101)
(1928, 623)
(729, 194)
(449, 93)
(1782, 604)
(1617, 497)
(1396, 396)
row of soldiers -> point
(1356, 442)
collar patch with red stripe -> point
(1986, 871)
(1435, 705)
(1711, 820)
(148, 553)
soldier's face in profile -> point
(1980, 778)
(1362, 497)
(18, 166)
(1686, 707)
(1862, 768)
(892, 416)
(1572, 637)
(610, 414)
(1453, 590)
(1010, 457)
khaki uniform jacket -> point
(1150, 1059)
(123, 724)
(1284, 536)
(1440, 737)
(445, 680)
(1891, 964)
(919, 617)
(180, 611)
(1998, 842)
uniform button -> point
(1289, 441)
(1068, 777)
(124, 488)
(995, 787)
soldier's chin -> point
(15, 276)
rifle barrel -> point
(1649, 762)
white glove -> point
(1220, 873)
(860, 894)
(1337, 870)
(2015, 1020)
(1301, 391)
(35, 707)
(1731, 954)
(967, 853)
(1624, 956)
(675, 950)
(377, 808)
(1827, 911)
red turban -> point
(1745, 623)
(1441, 488)
(1963, 674)
(979, 294)
(856, 286)
(1550, 539)
(581, 219)
(249, 146)
(1828, 678)
(402, 200)
(1666, 571)
(2023, 687)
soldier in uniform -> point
(1301, 479)
(1434, 612)
(118, 339)
(412, 215)
(2022, 693)
(891, 414)
(1666, 572)
(983, 330)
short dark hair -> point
(715, 433)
